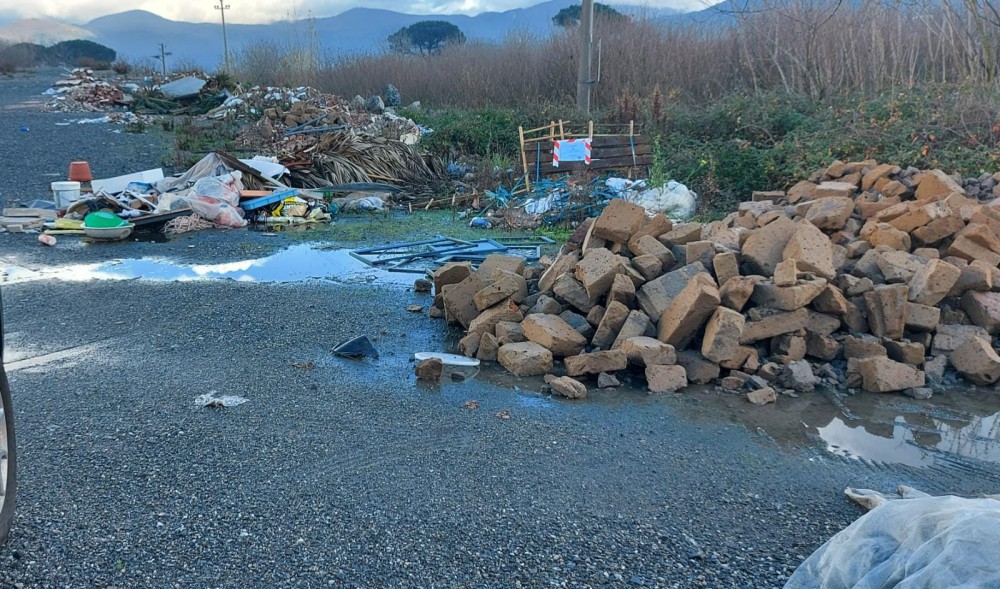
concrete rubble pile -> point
(81, 91)
(866, 276)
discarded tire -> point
(8, 459)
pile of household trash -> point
(568, 201)
(276, 113)
(865, 276)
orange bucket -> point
(80, 172)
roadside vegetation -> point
(748, 101)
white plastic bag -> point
(223, 188)
(217, 211)
(673, 199)
(910, 544)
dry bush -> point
(817, 48)
(14, 58)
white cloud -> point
(258, 11)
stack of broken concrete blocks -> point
(864, 276)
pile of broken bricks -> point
(866, 276)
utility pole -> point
(586, 55)
(163, 57)
(223, 7)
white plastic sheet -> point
(673, 199)
(910, 543)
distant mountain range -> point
(135, 34)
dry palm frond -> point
(345, 156)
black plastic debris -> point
(359, 347)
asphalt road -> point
(349, 473)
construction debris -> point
(863, 277)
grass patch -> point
(367, 230)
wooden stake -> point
(524, 158)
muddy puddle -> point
(295, 264)
(956, 429)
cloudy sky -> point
(256, 11)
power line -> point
(163, 57)
(223, 7)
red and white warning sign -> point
(571, 150)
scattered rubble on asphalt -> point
(866, 276)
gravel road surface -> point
(348, 473)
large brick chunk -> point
(622, 291)
(801, 191)
(687, 312)
(487, 321)
(932, 282)
(459, 305)
(509, 332)
(648, 351)
(648, 245)
(788, 298)
(967, 249)
(563, 264)
(888, 236)
(570, 388)
(877, 173)
(882, 375)
(830, 213)
(722, 335)
(977, 361)
(655, 295)
(831, 301)
(506, 285)
(835, 190)
(919, 216)
(596, 272)
(812, 251)
(451, 273)
(572, 292)
(939, 229)
(948, 337)
(726, 266)
(525, 359)
(494, 262)
(699, 370)
(922, 317)
(596, 363)
(764, 248)
(774, 325)
(899, 266)
(666, 379)
(681, 234)
(612, 322)
(619, 220)
(637, 324)
(887, 310)
(737, 292)
(935, 184)
(554, 334)
(977, 275)
(983, 309)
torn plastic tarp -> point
(268, 166)
(208, 166)
(210, 400)
(910, 543)
(183, 87)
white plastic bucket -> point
(65, 193)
